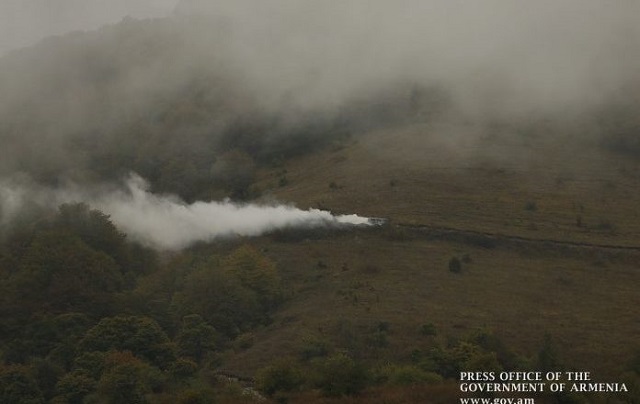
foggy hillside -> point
(141, 95)
(196, 103)
(288, 201)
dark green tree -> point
(17, 386)
(281, 376)
(196, 337)
(140, 335)
(74, 387)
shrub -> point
(408, 375)
(314, 347)
(283, 375)
(428, 329)
(341, 375)
(455, 265)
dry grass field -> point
(346, 282)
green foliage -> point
(479, 351)
(340, 375)
(455, 265)
(126, 379)
(220, 299)
(283, 181)
(407, 375)
(193, 395)
(531, 206)
(46, 375)
(257, 273)
(140, 335)
(548, 359)
(377, 339)
(54, 337)
(428, 329)
(494, 345)
(232, 295)
(94, 228)
(314, 347)
(60, 273)
(90, 363)
(17, 386)
(183, 368)
(74, 387)
(244, 341)
(281, 376)
(196, 337)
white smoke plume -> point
(165, 221)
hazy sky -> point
(23, 22)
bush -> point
(548, 356)
(127, 379)
(428, 329)
(408, 375)
(455, 265)
(340, 375)
(282, 376)
(183, 368)
(314, 347)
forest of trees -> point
(88, 314)
(89, 317)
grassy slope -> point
(586, 299)
(468, 185)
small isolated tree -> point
(428, 329)
(455, 265)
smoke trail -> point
(166, 222)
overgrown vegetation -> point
(88, 314)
